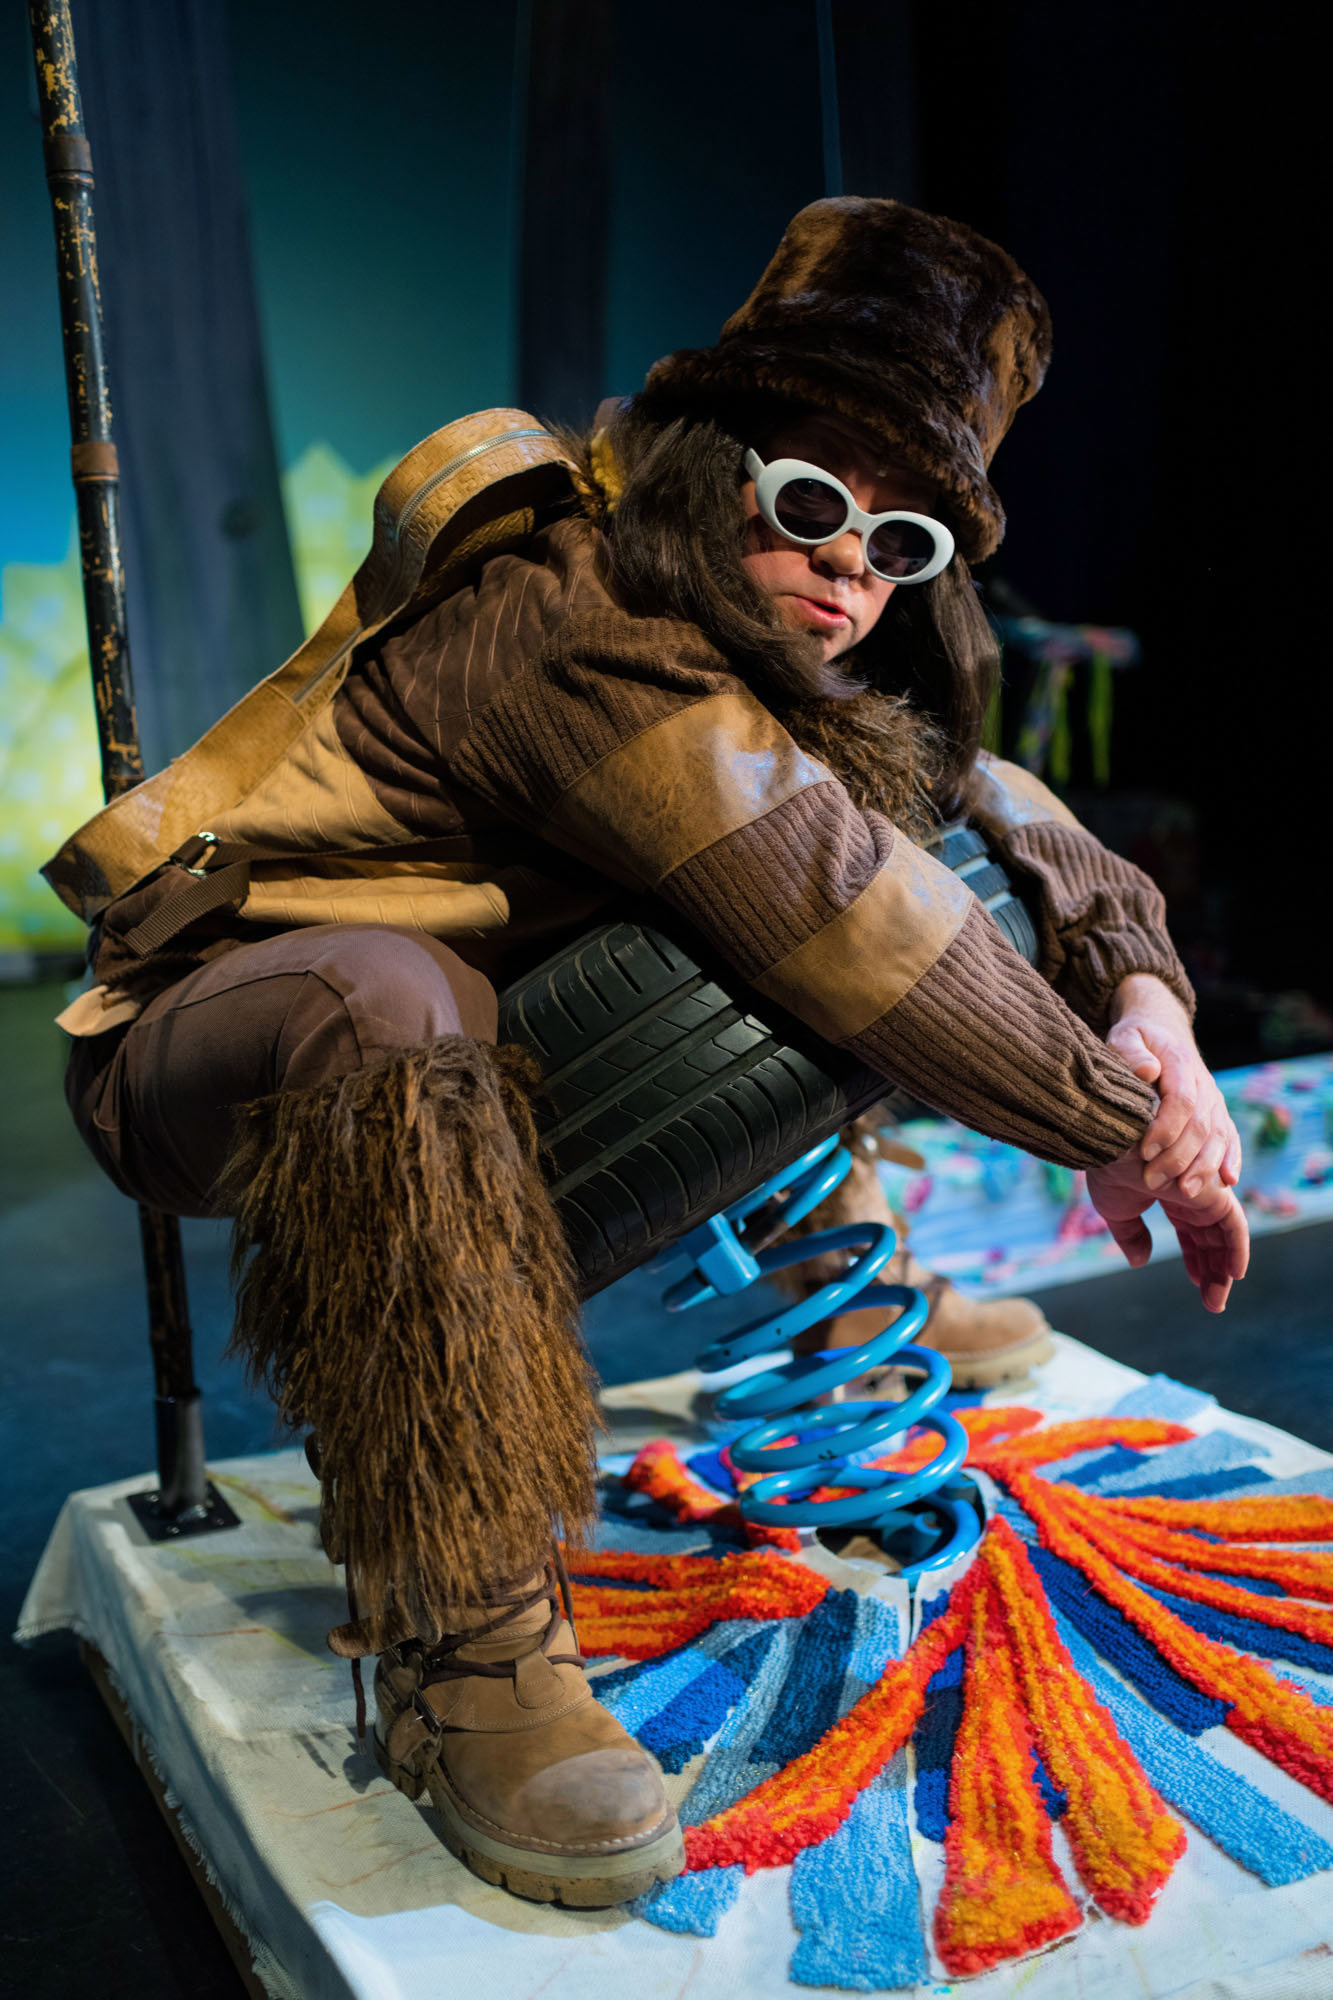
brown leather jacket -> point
(503, 767)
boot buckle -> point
(426, 1714)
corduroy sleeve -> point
(630, 746)
(1099, 917)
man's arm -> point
(1099, 918)
(1105, 946)
(632, 747)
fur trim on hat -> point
(909, 325)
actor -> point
(746, 676)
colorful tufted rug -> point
(1139, 1585)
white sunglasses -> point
(810, 506)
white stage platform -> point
(340, 1885)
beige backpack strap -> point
(477, 486)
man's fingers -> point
(1216, 1253)
(1181, 1155)
(1178, 1087)
(1132, 1238)
(1206, 1163)
(1231, 1162)
(1215, 1294)
(1128, 1042)
(1237, 1228)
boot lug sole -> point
(990, 1371)
(581, 1882)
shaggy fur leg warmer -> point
(404, 1287)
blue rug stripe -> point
(934, 1736)
(1065, 1468)
(641, 1696)
(700, 1709)
(854, 1897)
(730, 1771)
(818, 1668)
(1126, 1648)
(695, 1903)
(1162, 1396)
(1010, 1511)
(1239, 1818)
(933, 1744)
(1055, 1801)
(685, 1724)
(878, 1639)
(1214, 1452)
(1101, 1465)
(1258, 1586)
(1248, 1635)
(1319, 1481)
(708, 1466)
(713, 1644)
(650, 1531)
(1210, 1485)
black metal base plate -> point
(206, 1520)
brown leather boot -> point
(538, 1789)
(986, 1341)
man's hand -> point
(1211, 1225)
(1192, 1140)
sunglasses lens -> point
(807, 507)
(900, 548)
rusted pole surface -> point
(69, 174)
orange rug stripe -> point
(1276, 1717)
(811, 1797)
(1003, 1894)
(1124, 1840)
(658, 1471)
(689, 1594)
(1120, 1544)
(1287, 1517)
(1302, 1572)
(1082, 1434)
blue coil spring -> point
(928, 1519)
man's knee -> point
(369, 991)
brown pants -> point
(155, 1101)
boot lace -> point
(441, 1662)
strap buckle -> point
(190, 848)
(427, 1714)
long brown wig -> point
(899, 719)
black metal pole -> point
(184, 1498)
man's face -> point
(829, 590)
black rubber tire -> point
(667, 1096)
(671, 1090)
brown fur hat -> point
(914, 327)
